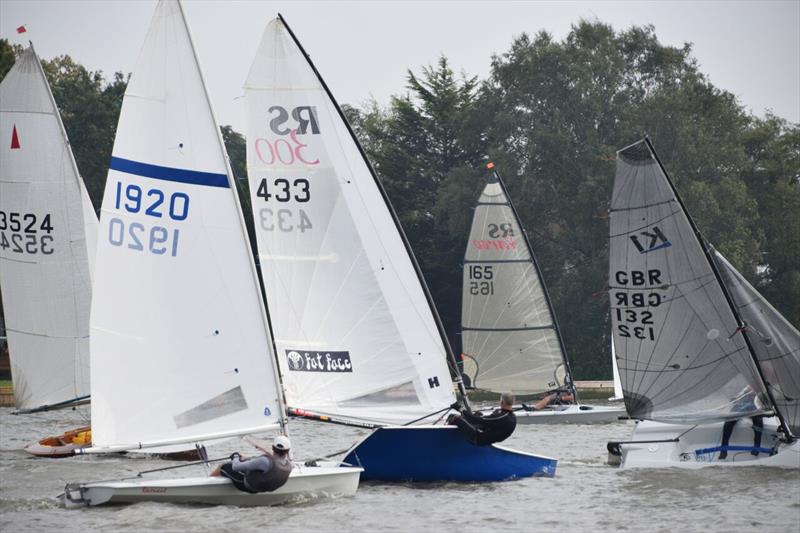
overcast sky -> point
(362, 49)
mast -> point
(541, 282)
(455, 373)
(706, 252)
(234, 191)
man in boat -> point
(484, 430)
(556, 398)
(264, 473)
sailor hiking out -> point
(264, 473)
(484, 430)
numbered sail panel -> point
(499, 295)
(680, 356)
(775, 341)
(179, 343)
(524, 361)
(47, 226)
(352, 325)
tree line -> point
(551, 115)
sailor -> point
(556, 398)
(264, 473)
(484, 430)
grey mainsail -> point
(509, 334)
(775, 342)
(680, 349)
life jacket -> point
(274, 478)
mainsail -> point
(48, 234)
(509, 334)
(355, 334)
(775, 342)
(180, 344)
(681, 353)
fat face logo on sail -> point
(301, 119)
(651, 240)
(303, 361)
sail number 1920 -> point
(481, 280)
(140, 236)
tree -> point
(89, 108)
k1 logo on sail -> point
(311, 361)
(652, 240)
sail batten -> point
(181, 349)
(47, 239)
(354, 322)
(682, 357)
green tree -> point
(8, 55)
(89, 108)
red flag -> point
(21, 29)
(14, 139)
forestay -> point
(48, 233)
(681, 355)
(775, 342)
(509, 338)
(355, 334)
(180, 344)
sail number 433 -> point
(284, 190)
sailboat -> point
(180, 340)
(48, 234)
(618, 396)
(700, 352)
(510, 336)
(358, 338)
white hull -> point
(571, 414)
(304, 484)
(695, 447)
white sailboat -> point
(358, 338)
(698, 348)
(181, 347)
(510, 336)
(48, 234)
(618, 397)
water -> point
(585, 495)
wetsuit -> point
(484, 430)
(264, 473)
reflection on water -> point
(585, 495)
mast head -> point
(493, 177)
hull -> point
(72, 442)
(440, 453)
(572, 414)
(699, 446)
(64, 445)
(304, 484)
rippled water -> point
(585, 495)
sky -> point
(363, 49)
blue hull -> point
(440, 453)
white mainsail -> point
(775, 343)
(510, 339)
(48, 233)
(354, 332)
(180, 344)
(682, 356)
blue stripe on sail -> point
(178, 175)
